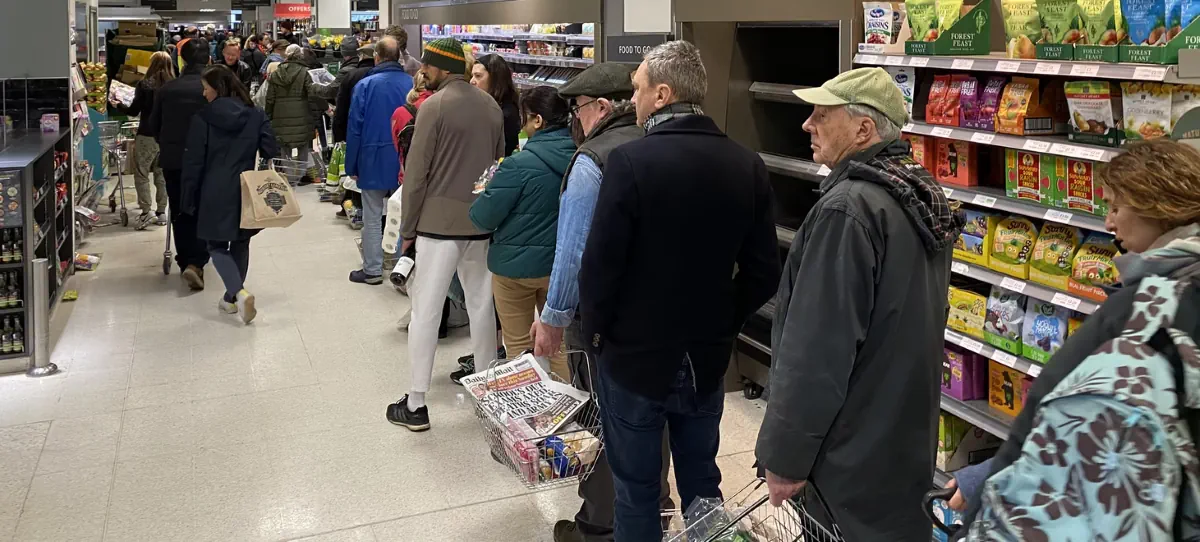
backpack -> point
(1110, 455)
(404, 140)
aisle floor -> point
(170, 421)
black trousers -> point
(189, 250)
(595, 517)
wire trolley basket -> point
(748, 516)
(562, 458)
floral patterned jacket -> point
(1107, 453)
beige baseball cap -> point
(863, 86)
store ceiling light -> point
(207, 10)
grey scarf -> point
(677, 109)
(1175, 255)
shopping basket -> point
(563, 458)
(748, 516)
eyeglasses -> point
(575, 109)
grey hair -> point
(677, 64)
(884, 126)
(293, 51)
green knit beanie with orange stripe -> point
(447, 54)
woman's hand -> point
(957, 502)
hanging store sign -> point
(161, 5)
(250, 4)
(293, 11)
(630, 49)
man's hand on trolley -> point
(782, 489)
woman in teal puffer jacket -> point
(520, 207)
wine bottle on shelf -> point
(4, 301)
(18, 337)
(6, 247)
(6, 335)
(19, 245)
(14, 294)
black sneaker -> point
(361, 277)
(399, 414)
(465, 368)
(566, 531)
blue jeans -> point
(633, 429)
(374, 203)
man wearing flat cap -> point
(603, 118)
(858, 327)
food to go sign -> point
(631, 48)
(293, 11)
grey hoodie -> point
(860, 315)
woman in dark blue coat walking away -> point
(222, 142)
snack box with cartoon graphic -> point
(1012, 246)
(1006, 388)
(972, 244)
(964, 375)
(968, 311)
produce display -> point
(96, 77)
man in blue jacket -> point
(371, 158)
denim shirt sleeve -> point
(574, 222)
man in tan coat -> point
(459, 134)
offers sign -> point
(293, 11)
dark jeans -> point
(633, 427)
(189, 250)
(232, 261)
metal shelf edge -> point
(1030, 288)
(794, 167)
(996, 199)
(785, 235)
(979, 415)
(776, 92)
(1025, 365)
(757, 345)
(1059, 146)
(992, 63)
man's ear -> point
(665, 94)
(865, 130)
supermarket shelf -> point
(940, 478)
(994, 198)
(1031, 289)
(979, 414)
(12, 265)
(12, 310)
(1029, 367)
(527, 84)
(997, 63)
(473, 36)
(1042, 144)
(794, 167)
(540, 60)
(785, 235)
(757, 345)
(773, 92)
(767, 310)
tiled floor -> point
(170, 421)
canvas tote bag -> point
(267, 201)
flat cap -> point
(605, 80)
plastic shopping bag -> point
(391, 230)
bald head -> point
(387, 50)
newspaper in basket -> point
(545, 430)
(747, 516)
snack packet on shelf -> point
(922, 19)
(1147, 21)
(1147, 109)
(1022, 27)
(878, 22)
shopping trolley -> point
(115, 138)
(563, 458)
(166, 265)
(748, 516)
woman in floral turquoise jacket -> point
(520, 207)
(1153, 192)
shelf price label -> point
(1088, 153)
(823, 170)
(1047, 68)
(1013, 284)
(971, 344)
(1036, 146)
(1085, 70)
(1149, 73)
(1034, 370)
(868, 59)
(893, 60)
(984, 200)
(918, 61)
(1064, 300)
(948, 191)
(962, 64)
(908, 127)
(1055, 215)
(960, 268)
(983, 138)
(1004, 358)
(1007, 66)
(941, 132)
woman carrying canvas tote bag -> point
(222, 141)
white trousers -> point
(437, 260)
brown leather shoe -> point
(194, 277)
(565, 531)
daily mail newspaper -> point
(522, 396)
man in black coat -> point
(253, 56)
(345, 89)
(174, 105)
(662, 306)
(231, 57)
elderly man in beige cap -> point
(857, 332)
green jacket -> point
(521, 206)
(289, 104)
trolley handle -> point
(940, 494)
